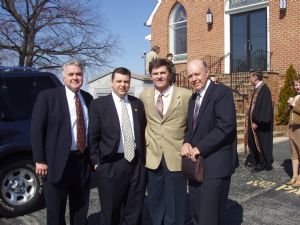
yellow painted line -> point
(269, 184)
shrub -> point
(285, 93)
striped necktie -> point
(196, 110)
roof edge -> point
(149, 20)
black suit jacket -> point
(104, 128)
(51, 130)
(215, 131)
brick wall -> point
(284, 34)
(201, 41)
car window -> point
(18, 95)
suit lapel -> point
(175, 102)
(64, 105)
(113, 112)
(135, 115)
(65, 112)
(152, 106)
(204, 103)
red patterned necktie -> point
(160, 105)
(81, 137)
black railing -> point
(240, 74)
(215, 63)
(257, 60)
(182, 80)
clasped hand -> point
(189, 151)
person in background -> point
(170, 57)
(259, 126)
(151, 55)
(213, 78)
(166, 112)
(173, 75)
(117, 151)
(211, 132)
(59, 145)
(294, 132)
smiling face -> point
(120, 84)
(73, 77)
(197, 74)
(160, 77)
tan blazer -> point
(295, 113)
(164, 136)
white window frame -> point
(177, 58)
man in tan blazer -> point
(166, 112)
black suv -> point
(20, 188)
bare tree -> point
(44, 33)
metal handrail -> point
(213, 61)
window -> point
(18, 94)
(241, 3)
(178, 33)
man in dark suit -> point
(212, 133)
(117, 151)
(59, 145)
(260, 125)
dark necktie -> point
(160, 105)
(127, 133)
(196, 110)
(81, 137)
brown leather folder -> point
(193, 170)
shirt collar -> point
(117, 98)
(258, 84)
(203, 90)
(165, 92)
(70, 94)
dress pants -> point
(258, 157)
(75, 184)
(121, 187)
(166, 196)
(208, 200)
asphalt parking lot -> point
(257, 199)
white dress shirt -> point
(166, 98)
(117, 101)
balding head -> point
(197, 63)
(197, 74)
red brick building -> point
(248, 34)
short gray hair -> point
(73, 62)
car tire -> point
(21, 190)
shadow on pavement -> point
(233, 214)
(287, 166)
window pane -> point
(180, 15)
(239, 3)
(178, 32)
(18, 94)
(180, 37)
